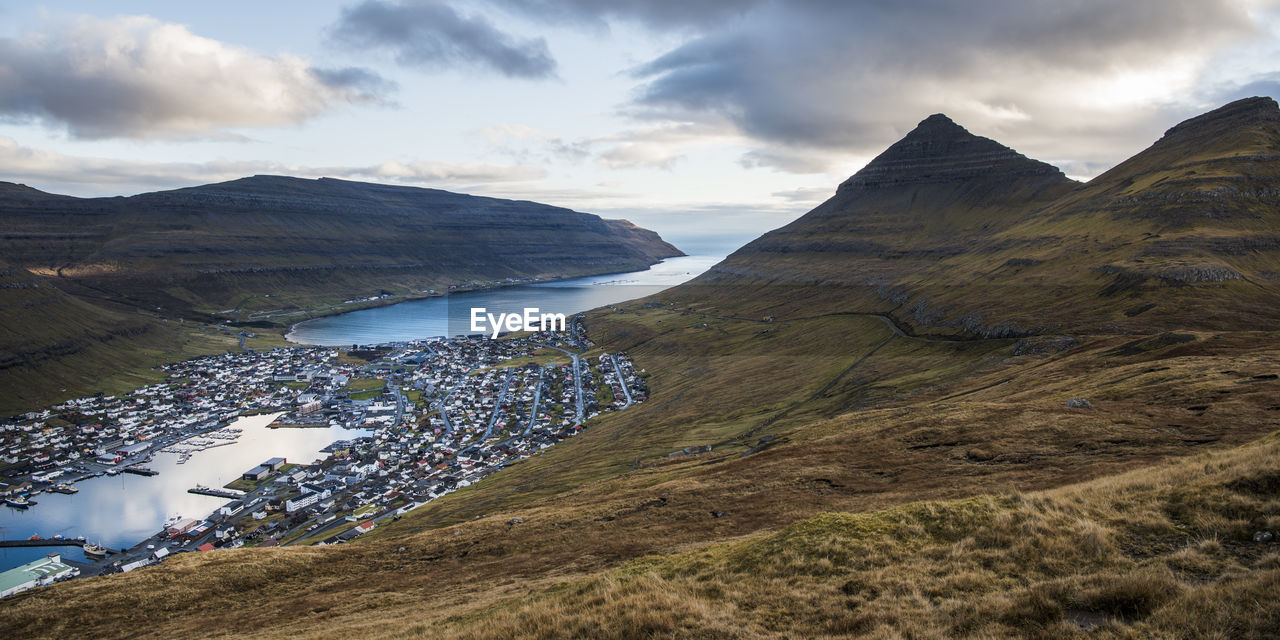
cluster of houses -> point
(429, 417)
(89, 436)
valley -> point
(966, 396)
(123, 284)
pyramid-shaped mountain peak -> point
(939, 150)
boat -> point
(19, 502)
(95, 550)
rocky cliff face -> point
(951, 232)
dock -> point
(217, 493)
(47, 542)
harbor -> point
(120, 510)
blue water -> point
(121, 511)
(450, 315)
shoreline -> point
(289, 331)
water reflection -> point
(120, 511)
(449, 315)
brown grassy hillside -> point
(868, 472)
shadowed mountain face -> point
(83, 273)
(950, 232)
(205, 248)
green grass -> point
(365, 384)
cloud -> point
(81, 175)
(137, 77)
(658, 14)
(1089, 79)
(454, 172)
(805, 195)
(656, 146)
(432, 35)
(790, 160)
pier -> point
(47, 542)
(217, 493)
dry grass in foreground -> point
(1159, 552)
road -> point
(577, 381)
(448, 426)
(395, 390)
(497, 405)
(537, 397)
(617, 371)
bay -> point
(120, 511)
(449, 315)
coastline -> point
(288, 332)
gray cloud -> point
(1267, 84)
(658, 14)
(1090, 79)
(845, 75)
(366, 84)
(142, 78)
(427, 34)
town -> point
(426, 418)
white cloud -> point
(80, 175)
(138, 77)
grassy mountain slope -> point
(1182, 235)
(869, 472)
(54, 345)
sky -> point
(698, 119)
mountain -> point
(207, 248)
(263, 250)
(824, 453)
(929, 197)
(951, 233)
